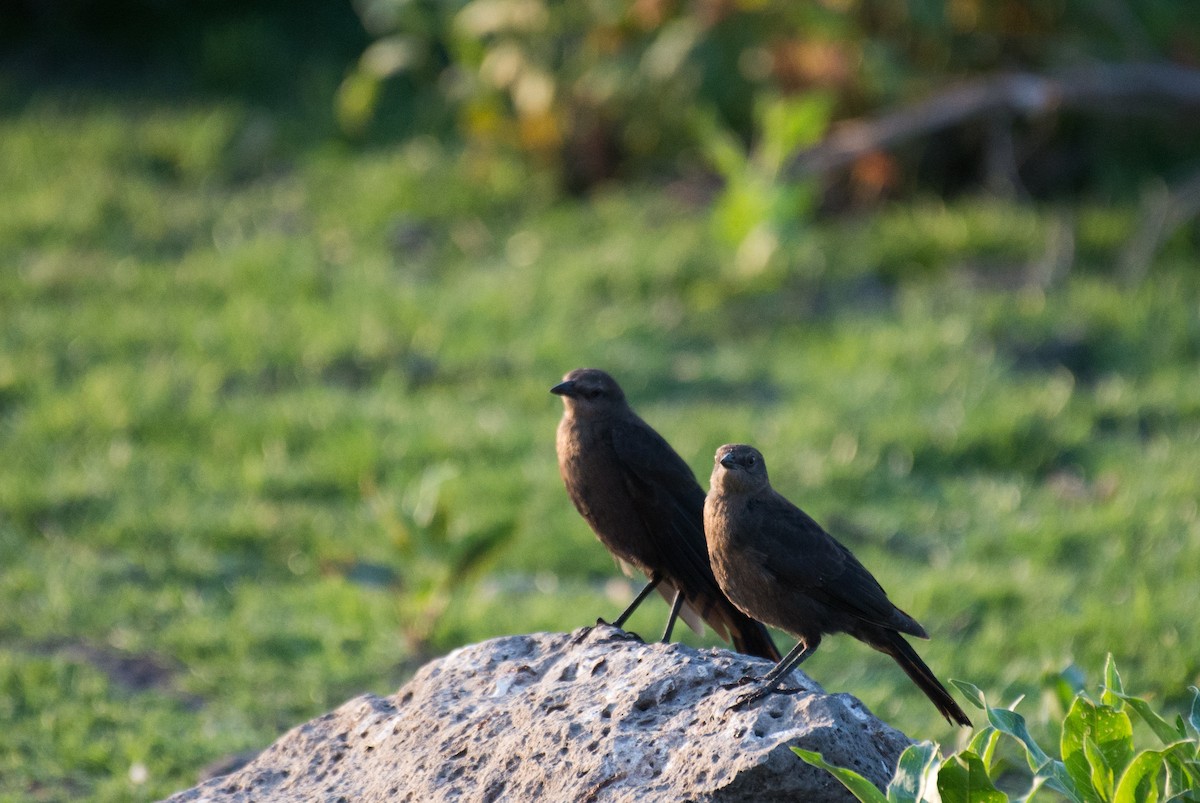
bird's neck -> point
(725, 501)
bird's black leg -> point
(654, 581)
(675, 606)
(793, 659)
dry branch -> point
(1110, 89)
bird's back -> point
(597, 482)
(791, 573)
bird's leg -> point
(655, 579)
(793, 659)
(675, 606)
(619, 624)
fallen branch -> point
(1122, 89)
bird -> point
(645, 505)
(778, 565)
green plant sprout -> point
(1099, 762)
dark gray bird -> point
(644, 504)
(778, 565)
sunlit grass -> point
(222, 364)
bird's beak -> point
(728, 460)
(563, 388)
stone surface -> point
(592, 716)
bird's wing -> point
(669, 501)
(805, 557)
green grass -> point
(252, 398)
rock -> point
(592, 716)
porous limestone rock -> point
(596, 715)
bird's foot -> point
(757, 694)
(746, 699)
(581, 635)
(621, 634)
(737, 684)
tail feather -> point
(751, 638)
(902, 652)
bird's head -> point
(590, 391)
(738, 467)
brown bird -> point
(644, 504)
(778, 565)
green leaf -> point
(1183, 771)
(1102, 781)
(859, 786)
(1038, 783)
(972, 692)
(1054, 772)
(357, 98)
(722, 149)
(1165, 731)
(476, 549)
(1111, 734)
(789, 123)
(1139, 783)
(964, 779)
(1055, 776)
(1013, 724)
(1113, 687)
(1068, 684)
(983, 744)
(911, 780)
(1194, 714)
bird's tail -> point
(750, 637)
(902, 652)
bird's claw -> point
(757, 694)
(746, 699)
(737, 684)
(797, 690)
(579, 637)
(621, 634)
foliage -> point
(759, 211)
(1100, 760)
(437, 563)
(239, 380)
(594, 88)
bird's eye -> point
(592, 393)
(750, 460)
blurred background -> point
(284, 285)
